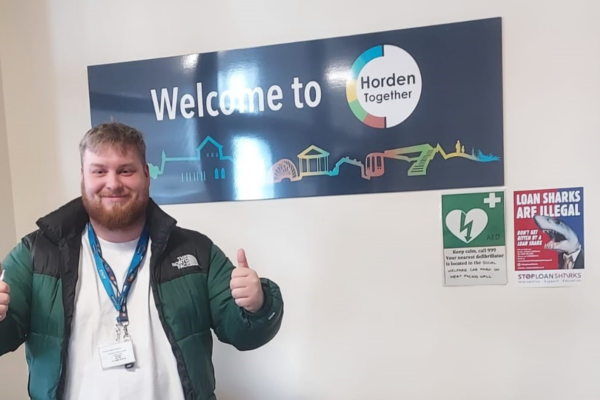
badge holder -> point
(120, 353)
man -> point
(115, 301)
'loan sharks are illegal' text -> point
(553, 204)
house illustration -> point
(313, 161)
(210, 154)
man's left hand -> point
(245, 285)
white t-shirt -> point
(154, 376)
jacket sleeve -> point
(14, 329)
(233, 324)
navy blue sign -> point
(405, 110)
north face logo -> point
(185, 261)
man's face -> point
(114, 186)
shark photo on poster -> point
(564, 240)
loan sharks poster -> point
(402, 110)
(549, 237)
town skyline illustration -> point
(315, 161)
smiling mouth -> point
(115, 198)
(555, 238)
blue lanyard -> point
(119, 299)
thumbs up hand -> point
(245, 285)
(4, 297)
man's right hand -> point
(4, 297)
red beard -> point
(119, 216)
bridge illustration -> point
(314, 161)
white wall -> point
(367, 316)
(7, 240)
(7, 217)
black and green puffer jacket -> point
(42, 272)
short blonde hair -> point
(116, 135)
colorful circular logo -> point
(384, 87)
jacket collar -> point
(67, 222)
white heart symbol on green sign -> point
(467, 226)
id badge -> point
(117, 354)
